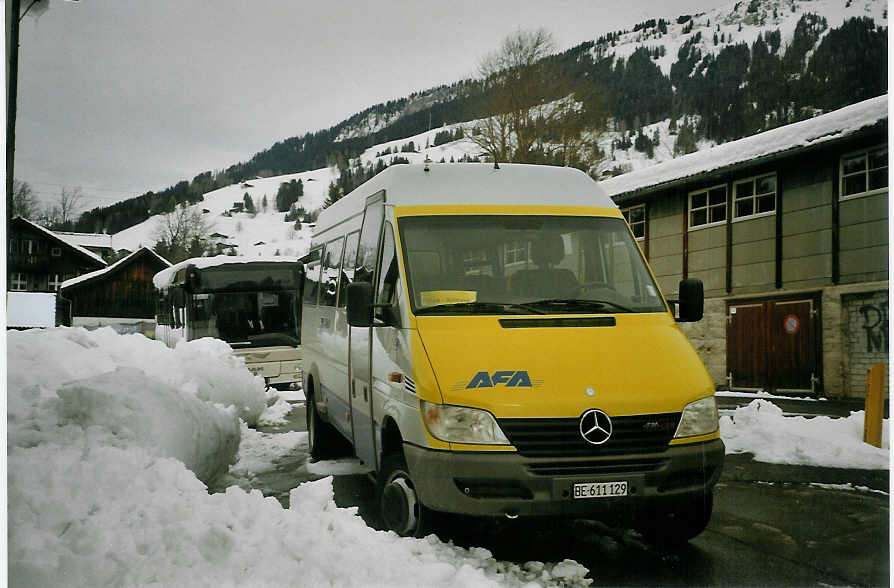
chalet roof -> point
(791, 138)
(102, 240)
(142, 251)
(56, 238)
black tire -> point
(675, 527)
(400, 509)
(323, 440)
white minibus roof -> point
(165, 277)
(471, 183)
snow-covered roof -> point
(59, 239)
(111, 268)
(807, 133)
(471, 183)
(30, 309)
(165, 277)
(102, 240)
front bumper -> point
(506, 483)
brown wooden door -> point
(792, 345)
(773, 345)
(746, 332)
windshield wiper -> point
(481, 308)
(573, 303)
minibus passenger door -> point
(360, 360)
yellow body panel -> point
(642, 365)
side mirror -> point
(193, 280)
(692, 300)
(360, 308)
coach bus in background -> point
(489, 340)
(249, 302)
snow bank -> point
(205, 368)
(100, 427)
(68, 386)
(760, 428)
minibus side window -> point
(329, 289)
(312, 276)
(385, 293)
(347, 268)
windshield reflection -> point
(496, 264)
(246, 319)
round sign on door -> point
(791, 324)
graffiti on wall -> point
(875, 325)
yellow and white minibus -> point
(491, 341)
(249, 302)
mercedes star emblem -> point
(595, 427)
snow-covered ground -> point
(113, 438)
(760, 428)
(109, 439)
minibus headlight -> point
(460, 424)
(699, 418)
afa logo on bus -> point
(511, 379)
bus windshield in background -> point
(248, 276)
(495, 264)
(246, 319)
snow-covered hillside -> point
(263, 233)
(737, 21)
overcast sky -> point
(124, 96)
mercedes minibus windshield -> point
(502, 264)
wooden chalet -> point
(123, 290)
(38, 260)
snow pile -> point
(205, 368)
(100, 427)
(68, 385)
(760, 428)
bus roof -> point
(471, 183)
(165, 277)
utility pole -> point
(12, 82)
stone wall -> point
(708, 336)
(864, 322)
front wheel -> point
(679, 524)
(323, 441)
(399, 505)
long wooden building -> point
(119, 295)
(788, 230)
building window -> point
(754, 196)
(864, 172)
(516, 252)
(54, 281)
(707, 207)
(18, 282)
(636, 218)
(56, 251)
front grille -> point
(593, 468)
(560, 437)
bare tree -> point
(538, 115)
(182, 234)
(22, 201)
(66, 209)
(70, 203)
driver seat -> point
(546, 281)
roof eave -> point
(733, 167)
